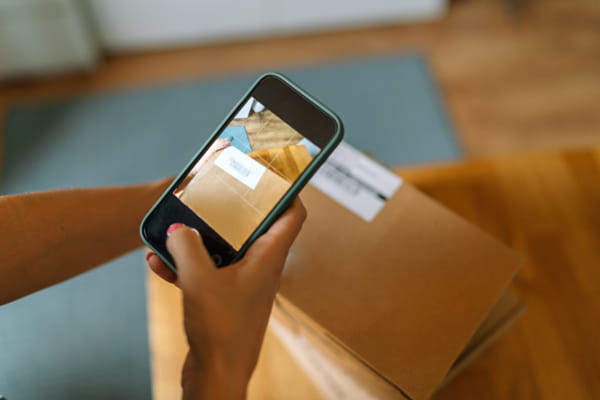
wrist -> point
(211, 379)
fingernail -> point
(149, 255)
(196, 231)
(174, 227)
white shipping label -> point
(356, 181)
(240, 166)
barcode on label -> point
(240, 166)
(347, 183)
(356, 182)
(243, 171)
(341, 176)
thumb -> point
(191, 258)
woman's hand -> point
(226, 310)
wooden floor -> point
(516, 74)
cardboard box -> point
(396, 306)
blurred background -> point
(105, 92)
(514, 74)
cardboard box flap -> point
(506, 311)
(404, 292)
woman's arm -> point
(48, 237)
(226, 310)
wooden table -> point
(544, 205)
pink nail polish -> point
(173, 228)
(149, 255)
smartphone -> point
(248, 172)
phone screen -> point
(245, 172)
(259, 157)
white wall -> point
(133, 24)
(136, 24)
(50, 36)
(41, 37)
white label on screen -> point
(356, 182)
(240, 166)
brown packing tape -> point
(386, 289)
